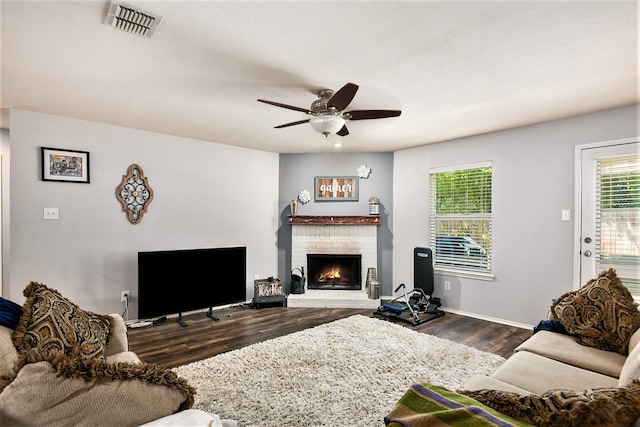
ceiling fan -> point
(327, 112)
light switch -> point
(566, 215)
(50, 213)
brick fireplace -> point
(334, 235)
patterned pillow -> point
(567, 408)
(602, 314)
(51, 324)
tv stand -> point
(210, 314)
(181, 321)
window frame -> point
(452, 270)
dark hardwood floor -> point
(169, 344)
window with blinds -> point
(618, 218)
(460, 219)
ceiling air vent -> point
(127, 18)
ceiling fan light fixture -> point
(327, 112)
(327, 124)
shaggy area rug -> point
(348, 372)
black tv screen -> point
(178, 281)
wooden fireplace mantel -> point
(334, 220)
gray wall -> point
(216, 195)
(297, 172)
(533, 181)
(206, 195)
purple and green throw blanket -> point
(430, 405)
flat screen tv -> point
(177, 281)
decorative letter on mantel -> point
(134, 193)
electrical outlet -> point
(447, 286)
(124, 296)
(51, 213)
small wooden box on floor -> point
(267, 291)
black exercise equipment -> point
(417, 306)
(423, 269)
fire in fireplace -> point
(339, 272)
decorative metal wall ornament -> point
(363, 171)
(134, 193)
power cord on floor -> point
(140, 323)
(125, 313)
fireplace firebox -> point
(334, 271)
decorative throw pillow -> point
(92, 393)
(567, 408)
(51, 323)
(602, 314)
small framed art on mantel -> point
(65, 165)
(336, 188)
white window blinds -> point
(460, 219)
(618, 218)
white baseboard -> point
(488, 318)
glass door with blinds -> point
(610, 213)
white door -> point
(608, 226)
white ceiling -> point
(454, 68)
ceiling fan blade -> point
(343, 132)
(290, 107)
(286, 125)
(343, 97)
(372, 114)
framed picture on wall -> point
(336, 188)
(65, 165)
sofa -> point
(64, 366)
(581, 367)
(551, 360)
